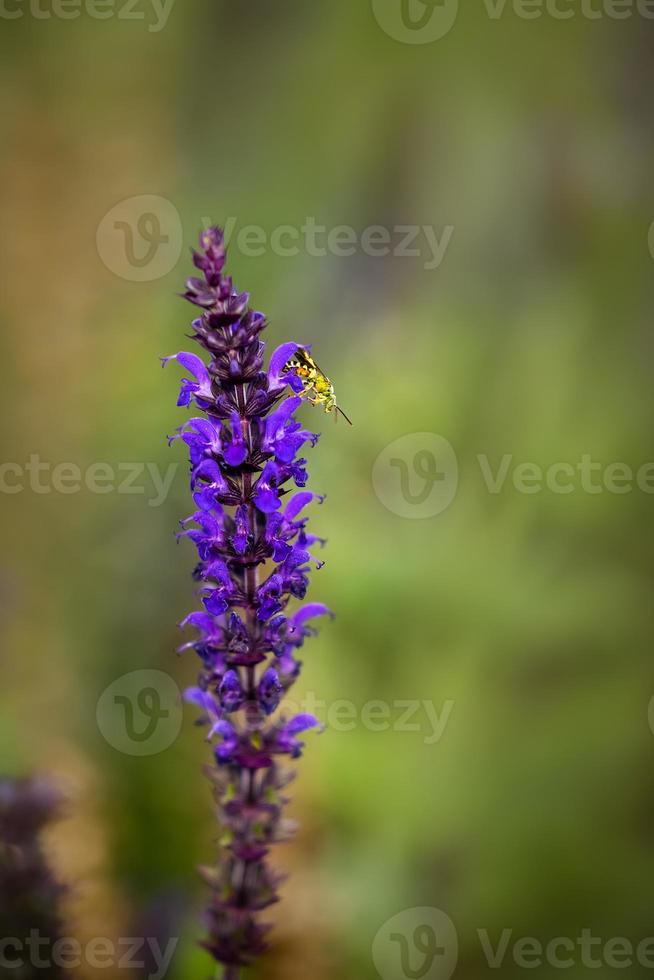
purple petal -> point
(208, 470)
(309, 611)
(297, 502)
(267, 500)
(301, 723)
(270, 691)
(280, 417)
(229, 744)
(230, 692)
(278, 361)
(196, 366)
(195, 695)
(214, 603)
(235, 454)
(200, 621)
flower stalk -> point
(249, 528)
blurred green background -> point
(524, 619)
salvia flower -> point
(249, 528)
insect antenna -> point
(343, 414)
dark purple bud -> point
(230, 692)
(270, 691)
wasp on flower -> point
(316, 386)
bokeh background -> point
(529, 614)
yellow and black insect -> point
(316, 386)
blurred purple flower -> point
(30, 895)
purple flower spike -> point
(254, 557)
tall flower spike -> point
(244, 468)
